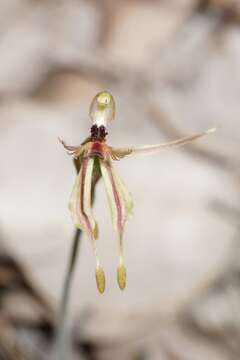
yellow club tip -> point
(100, 279)
(121, 276)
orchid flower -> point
(95, 157)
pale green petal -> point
(76, 151)
(80, 206)
(128, 201)
(121, 205)
(119, 198)
(80, 200)
(74, 201)
(118, 153)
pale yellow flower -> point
(95, 157)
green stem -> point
(62, 344)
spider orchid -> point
(94, 157)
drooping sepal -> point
(80, 200)
(121, 205)
(119, 198)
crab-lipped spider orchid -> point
(95, 157)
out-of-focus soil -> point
(174, 69)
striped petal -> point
(80, 200)
(81, 211)
(121, 205)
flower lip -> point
(97, 149)
(96, 153)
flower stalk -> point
(62, 343)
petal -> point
(118, 153)
(75, 151)
(81, 210)
(121, 205)
(80, 200)
(119, 198)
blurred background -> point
(173, 67)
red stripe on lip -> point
(97, 149)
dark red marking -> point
(98, 133)
(97, 149)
